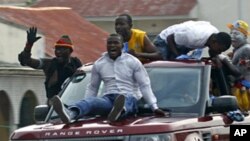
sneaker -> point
(65, 114)
(117, 108)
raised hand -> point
(31, 35)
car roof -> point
(185, 63)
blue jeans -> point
(166, 53)
(103, 105)
(161, 46)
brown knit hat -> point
(65, 42)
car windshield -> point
(174, 87)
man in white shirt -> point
(119, 71)
(181, 38)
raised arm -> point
(25, 56)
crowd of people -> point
(128, 49)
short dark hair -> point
(129, 18)
(223, 38)
(116, 35)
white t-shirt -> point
(191, 34)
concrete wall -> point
(221, 12)
(19, 86)
(16, 82)
(12, 42)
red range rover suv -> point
(182, 88)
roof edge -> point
(36, 9)
(138, 18)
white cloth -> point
(120, 76)
(191, 34)
(222, 57)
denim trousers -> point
(161, 46)
(103, 105)
(166, 53)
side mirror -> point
(224, 104)
(40, 113)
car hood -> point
(101, 127)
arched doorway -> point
(5, 109)
(28, 104)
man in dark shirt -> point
(56, 69)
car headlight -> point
(152, 137)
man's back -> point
(192, 34)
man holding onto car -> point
(119, 71)
(177, 40)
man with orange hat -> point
(56, 69)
